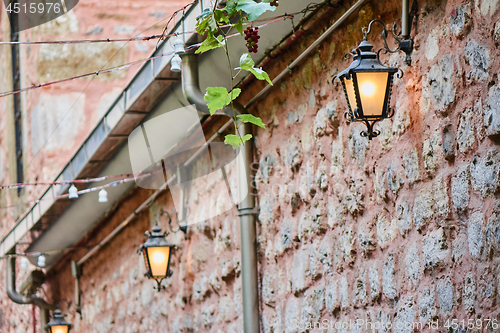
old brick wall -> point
(57, 119)
(404, 228)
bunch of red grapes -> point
(252, 37)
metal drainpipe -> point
(405, 19)
(248, 229)
(28, 299)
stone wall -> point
(401, 229)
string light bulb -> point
(41, 260)
(178, 45)
(103, 196)
(24, 262)
(73, 192)
(175, 63)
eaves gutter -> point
(140, 96)
(138, 101)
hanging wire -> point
(120, 67)
(77, 181)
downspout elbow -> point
(191, 83)
(190, 80)
(15, 296)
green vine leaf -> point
(253, 9)
(235, 140)
(247, 63)
(220, 16)
(219, 97)
(261, 74)
(211, 43)
(206, 23)
(239, 26)
(249, 118)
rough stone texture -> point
(317, 302)
(401, 120)
(389, 287)
(412, 262)
(404, 218)
(478, 58)
(358, 144)
(292, 313)
(293, 154)
(435, 248)
(359, 294)
(337, 155)
(496, 31)
(374, 282)
(441, 83)
(492, 235)
(492, 111)
(427, 305)
(394, 180)
(475, 234)
(441, 198)
(289, 233)
(405, 317)
(320, 122)
(485, 173)
(385, 230)
(343, 292)
(412, 168)
(299, 270)
(445, 292)
(431, 45)
(430, 151)
(460, 184)
(469, 294)
(449, 139)
(460, 18)
(423, 206)
(465, 132)
(332, 299)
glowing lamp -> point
(58, 324)
(157, 251)
(367, 85)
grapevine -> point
(252, 37)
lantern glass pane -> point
(349, 86)
(59, 329)
(158, 260)
(372, 88)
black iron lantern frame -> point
(157, 252)
(58, 324)
(367, 83)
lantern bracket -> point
(404, 43)
(182, 228)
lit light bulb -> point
(368, 89)
(59, 330)
(158, 257)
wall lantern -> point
(157, 251)
(367, 83)
(58, 324)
